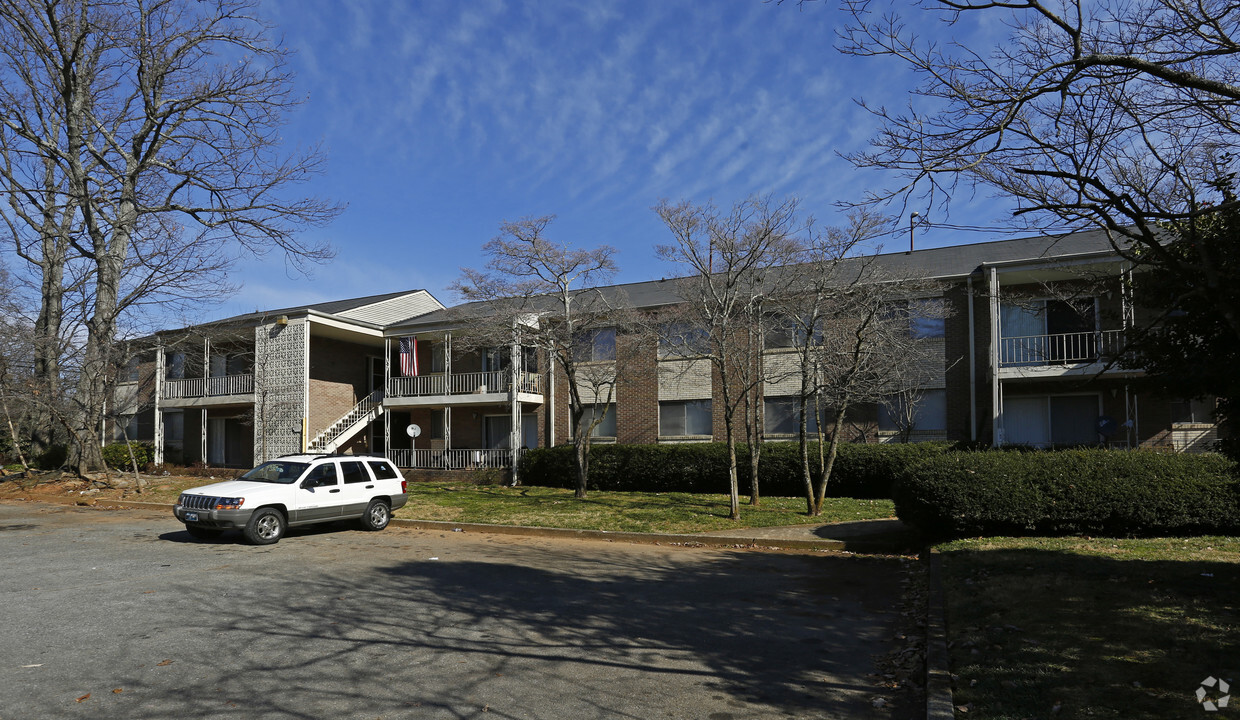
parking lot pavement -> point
(119, 614)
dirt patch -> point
(95, 489)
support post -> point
(996, 401)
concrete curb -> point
(738, 540)
(939, 705)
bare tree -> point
(734, 263)
(1119, 116)
(541, 294)
(153, 130)
(804, 313)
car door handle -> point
(370, 487)
(336, 490)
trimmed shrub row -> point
(1095, 491)
(862, 471)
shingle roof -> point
(956, 261)
(371, 309)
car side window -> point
(354, 472)
(383, 470)
(322, 476)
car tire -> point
(202, 533)
(377, 515)
(266, 527)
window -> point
(927, 318)
(131, 370)
(438, 357)
(176, 366)
(1192, 411)
(322, 476)
(606, 428)
(354, 472)
(384, 470)
(928, 412)
(687, 417)
(1057, 420)
(494, 360)
(677, 340)
(595, 345)
(174, 429)
(782, 416)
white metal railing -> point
(495, 381)
(360, 411)
(469, 459)
(208, 387)
(1060, 348)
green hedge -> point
(117, 456)
(863, 471)
(1104, 492)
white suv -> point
(295, 490)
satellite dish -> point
(413, 431)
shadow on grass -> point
(1042, 633)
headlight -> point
(229, 503)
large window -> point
(595, 345)
(927, 318)
(677, 340)
(783, 416)
(926, 413)
(606, 428)
(1042, 420)
(684, 417)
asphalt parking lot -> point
(120, 614)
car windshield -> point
(277, 471)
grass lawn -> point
(619, 511)
(1091, 628)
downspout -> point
(972, 368)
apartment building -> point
(1026, 354)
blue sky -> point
(442, 118)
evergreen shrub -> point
(1094, 491)
(117, 456)
(862, 471)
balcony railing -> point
(453, 459)
(1060, 349)
(496, 381)
(208, 387)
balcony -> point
(1060, 353)
(208, 391)
(453, 459)
(462, 388)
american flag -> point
(408, 356)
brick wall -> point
(637, 391)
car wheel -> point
(377, 515)
(202, 533)
(266, 527)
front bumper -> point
(213, 518)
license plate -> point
(191, 517)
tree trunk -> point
(830, 460)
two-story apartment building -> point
(1026, 354)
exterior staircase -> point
(341, 431)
